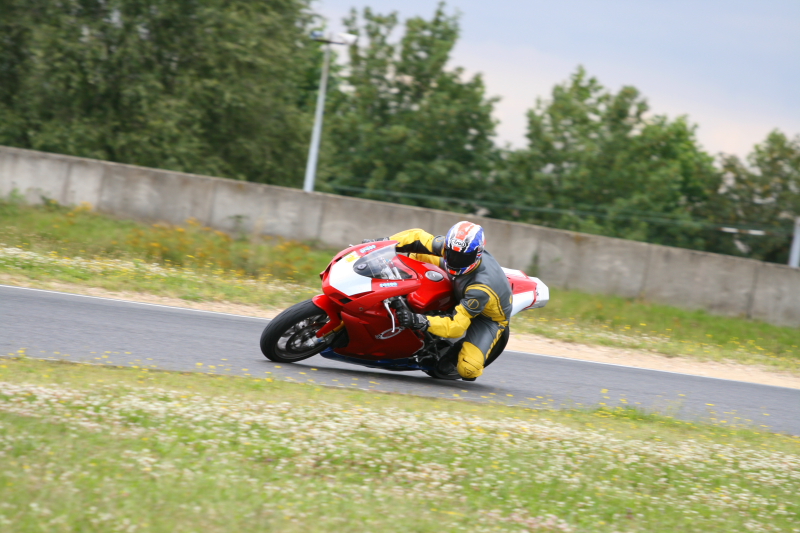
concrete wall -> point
(696, 280)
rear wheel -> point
(292, 335)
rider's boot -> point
(446, 367)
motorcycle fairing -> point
(528, 292)
(344, 289)
(332, 310)
(372, 336)
(434, 293)
(343, 277)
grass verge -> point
(191, 262)
(627, 323)
(116, 449)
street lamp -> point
(794, 252)
(316, 133)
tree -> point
(764, 191)
(402, 121)
(597, 163)
(210, 87)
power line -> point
(663, 220)
(511, 197)
(748, 228)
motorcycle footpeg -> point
(425, 360)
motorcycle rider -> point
(478, 282)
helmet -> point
(463, 247)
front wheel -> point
(292, 335)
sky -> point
(731, 66)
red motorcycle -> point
(353, 321)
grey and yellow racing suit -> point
(484, 296)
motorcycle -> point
(354, 320)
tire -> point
(286, 339)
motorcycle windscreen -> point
(382, 264)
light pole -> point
(794, 252)
(316, 133)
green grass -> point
(89, 448)
(628, 323)
(199, 264)
(190, 262)
(81, 232)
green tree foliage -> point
(212, 87)
(403, 121)
(764, 191)
(596, 162)
(227, 88)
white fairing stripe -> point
(521, 301)
(512, 272)
(345, 280)
(542, 294)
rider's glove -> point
(365, 241)
(409, 319)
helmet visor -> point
(459, 260)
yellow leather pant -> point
(482, 335)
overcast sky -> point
(732, 66)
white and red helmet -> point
(463, 247)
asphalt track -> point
(79, 328)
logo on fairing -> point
(392, 284)
(367, 249)
(389, 333)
